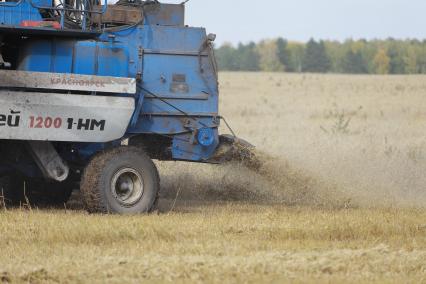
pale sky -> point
(245, 20)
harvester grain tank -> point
(92, 92)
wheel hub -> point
(127, 186)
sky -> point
(248, 20)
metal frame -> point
(62, 10)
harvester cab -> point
(91, 92)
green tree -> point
(269, 60)
(360, 56)
(369, 52)
(284, 54)
(248, 57)
(410, 60)
(382, 62)
(421, 58)
(296, 51)
(396, 64)
(353, 63)
(316, 59)
(227, 58)
(336, 52)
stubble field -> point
(340, 197)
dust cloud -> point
(333, 183)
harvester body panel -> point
(79, 81)
(66, 118)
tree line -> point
(352, 56)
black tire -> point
(48, 193)
(112, 182)
(17, 190)
(8, 194)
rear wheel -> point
(123, 180)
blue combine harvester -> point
(91, 92)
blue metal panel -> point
(176, 39)
(130, 38)
(98, 58)
(80, 57)
(170, 53)
(160, 72)
(113, 60)
(164, 15)
(14, 13)
(169, 125)
(84, 58)
(62, 56)
(36, 56)
(47, 56)
(190, 107)
(185, 148)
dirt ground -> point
(340, 197)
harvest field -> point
(341, 196)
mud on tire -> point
(122, 180)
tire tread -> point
(89, 186)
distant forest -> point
(351, 57)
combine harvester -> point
(91, 92)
